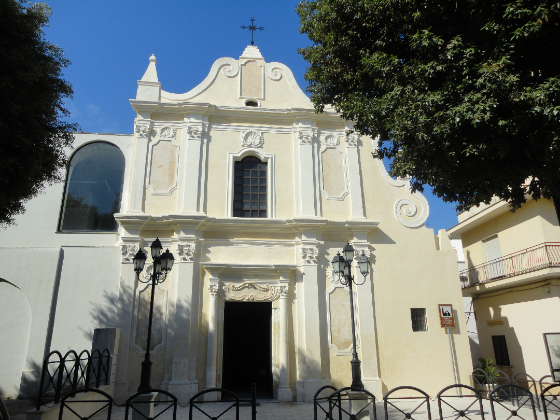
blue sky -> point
(109, 43)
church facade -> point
(254, 193)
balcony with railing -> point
(538, 257)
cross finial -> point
(252, 28)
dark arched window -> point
(93, 189)
(250, 188)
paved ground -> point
(297, 411)
(268, 410)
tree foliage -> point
(464, 95)
(33, 132)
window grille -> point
(250, 188)
(500, 350)
(419, 321)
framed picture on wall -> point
(552, 344)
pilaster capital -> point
(283, 292)
(128, 251)
(195, 132)
(352, 139)
(142, 128)
(186, 252)
(309, 255)
(213, 288)
(307, 136)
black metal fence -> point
(228, 401)
(61, 375)
(454, 402)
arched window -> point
(249, 198)
(93, 189)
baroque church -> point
(254, 193)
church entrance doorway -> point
(247, 351)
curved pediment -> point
(248, 81)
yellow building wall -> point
(526, 312)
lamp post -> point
(342, 265)
(162, 265)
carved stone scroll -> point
(249, 292)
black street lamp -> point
(342, 265)
(161, 266)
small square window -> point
(262, 213)
(419, 321)
(254, 189)
(262, 206)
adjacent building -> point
(513, 278)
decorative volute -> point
(149, 87)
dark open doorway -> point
(247, 348)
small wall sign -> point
(446, 317)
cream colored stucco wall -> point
(531, 225)
(527, 312)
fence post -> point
(254, 401)
(58, 389)
(76, 371)
(45, 364)
(98, 376)
(88, 370)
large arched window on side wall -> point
(93, 189)
(250, 188)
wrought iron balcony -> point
(531, 259)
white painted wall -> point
(15, 325)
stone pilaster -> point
(355, 174)
(284, 391)
(308, 202)
(185, 263)
(212, 350)
(311, 322)
(192, 164)
(142, 130)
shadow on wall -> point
(515, 352)
(15, 328)
(103, 315)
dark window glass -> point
(251, 173)
(419, 321)
(93, 189)
(500, 350)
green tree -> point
(33, 133)
(465, 95)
